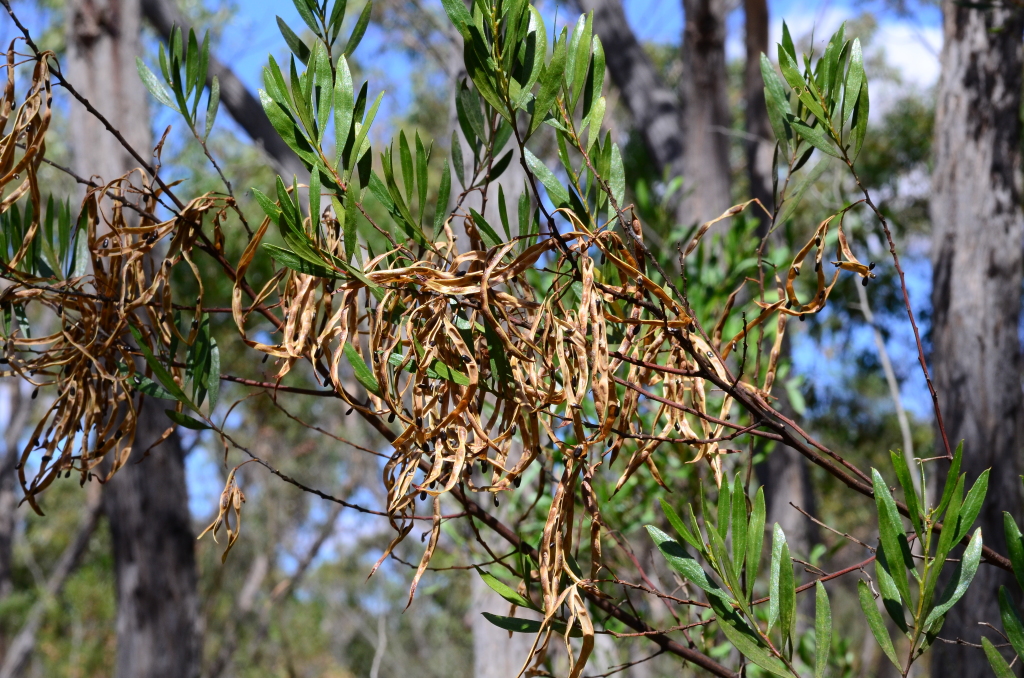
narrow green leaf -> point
(854, 80)
(746, 641)
(822, 630)
(286, 127)
(951, 479)
(343, 103)
(775, 575)
(457, 162)
(899, 463)
(962, 577)
(892, 536)
(337, 16)
(971, 507)
(362, 373)
(149, 387)
(297, 263)
(443, 192)
(505, 591)
(324, 87)
(534, 626)
(724, 508)
(405, 158)
(892, 600)
(162, 375)
(739, 525)
(816, 136)
(550, 84)
(860, 121)
(556, 191)
(212, 106)
(683, 563)
(875, 623)
(787, 594)
(213, 375)
(188, 422)
(755, 540)
(1011, 621)
(153, 84)
(679, 526)
(295, 44)
(422, 155)
(996, 661)
(457, 13)
(1014, 547)
(490, 238)
(617, 180)
(364, 128)
(307, 15)
(359, 30)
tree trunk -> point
(976, 293)
(145, 503)
(654, 107)
(759, 145)
(707, 191)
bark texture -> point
(654, 107)
(146, 503)
(976, 295)
(759, 142)
(707, 185)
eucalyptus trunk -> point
(146, 503)
(707, 184)
(976, 295)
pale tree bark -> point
(18, 405)
(707, 185)
(146, 503)
(976, 295)
(759, 144)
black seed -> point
(802, 318)
(817, 242)
(496, 502)
(419, 422)
(871, 266)
(267, 355)
(459, 274)
(4, 361)
(68, 474)
(634, 330)
(512, 431)
(603, 259)
(817, 266)
(864, 282)
(118, 434)
(391, 418)
(46, 459)
(578, 451)
(35, 392)
(789, 305)
(349, 411)
(465, 358)
(73, 391)
(106, 243)
(423, 495)
(444, 436)
(611, 441)
(517, 481)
